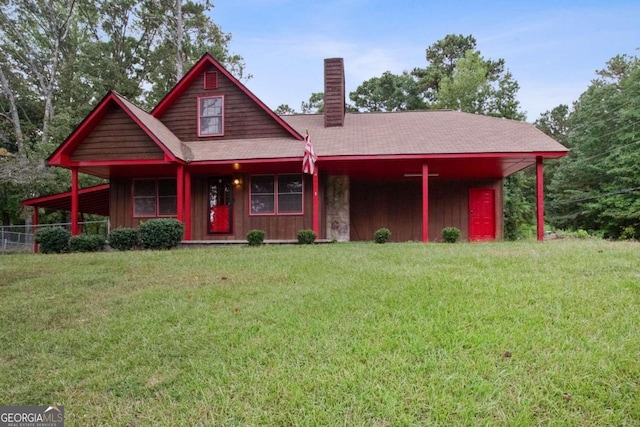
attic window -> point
(211, 80)
(211, 116)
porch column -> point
(187, 204)
(180, 194)
(316, 205)
(35, 229)
(425, 203)
(540, 197)
(74, 201)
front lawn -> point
(343, 334)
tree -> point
(473, 87)
(555, 123)
(442, 58)
(60, 57)
(597, 184)
(315, 104)
(284, 109)
(389, 92)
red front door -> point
(220, 206)
(482, 220)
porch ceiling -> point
(91, 200)
(447, 168)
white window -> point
(211, 116)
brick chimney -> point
(334, 96)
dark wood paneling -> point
(243, 117)
(398, 206)
(276, 227)
(117, 137)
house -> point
(214, 156)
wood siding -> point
(334, 92)
(243, 118)
(117, 137)
(398, 206)
(120, 204)
(276, 227)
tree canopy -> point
(61, 56)
(596, 186)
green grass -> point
(343, 334)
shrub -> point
(382, 235)
(628, 233)
(53, 240)
(306, 237)
(86, 243)
(255, 237)
(450, 234)
(165, 233)
(582, 234)
(124, 239)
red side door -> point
(482, 220)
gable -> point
(116, 137)
(245, 116)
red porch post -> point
(180, 194)
(316, 205)
(74, 201)
(35, 229)
(425, 203)
(187, 204)
(540, 197)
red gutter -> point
(120, 163)
(232, 161)
(547, 154)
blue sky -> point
(553, 48)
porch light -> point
(237, 181)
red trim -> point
(44, 199)
(35, 228)
(232, 161)
(167, 152)
(199, 68)
(187, 204)
(547, 154)
(540, 198)
(205, 135)
(425, 203)
(179, 194)
(81, 131)
(117, 163)
(74, 201)
(60, 156)
(316, 205)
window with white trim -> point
(154, 197)
(211, 116)
(276, 194)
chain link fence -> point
(20, 238)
